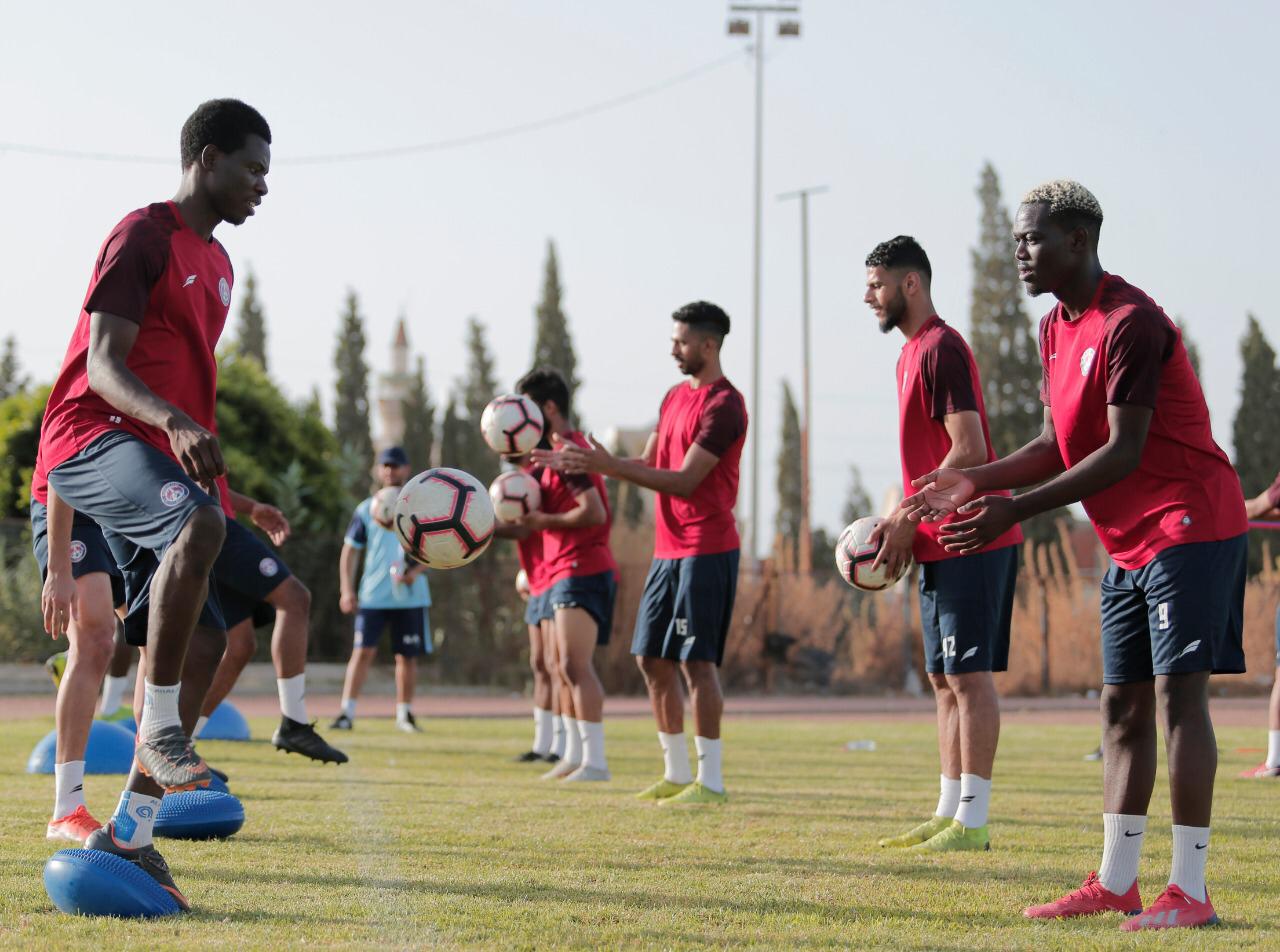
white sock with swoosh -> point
(1122, 836)
(1190, 849)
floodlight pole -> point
(806, 526)
(760, 11)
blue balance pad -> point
(199, 815)
(94, 883)
(110, 750)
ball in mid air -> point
(444, 518)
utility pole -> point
(806, 420)
(742, 27)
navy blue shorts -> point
(141, 499)
(537, 609)
(410, 629)
(1181, 613)
(966, 608)
(594, 594)
(89, 550)
(686, 608)
(247, 571)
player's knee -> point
(1126, 708)
(206, 647)
(94, 643)
(242, 643)
(202, 537)
(293, 597)
(655, 670)
(941, 686)
(971, 685)
(1182, 696)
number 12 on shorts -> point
(949, 646)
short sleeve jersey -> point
(1124, 350)
(382, 550)
(713, 416)
(176, 286)
(574, 553)
(937, 376)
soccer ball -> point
(514, 495)
(444, 518)
(512, 424)
(522, 583)
(383, 508)
(854, 555)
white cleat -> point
(587, 774)
(560, 771)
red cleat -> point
(1089, 900)
(75, 826)
(1174, 909)
(1260, 771)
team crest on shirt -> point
(174, 492)
(268, 567)
(224, 292)
(1086, 361)
(78, 550)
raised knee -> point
(203, 535)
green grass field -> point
(440, 841)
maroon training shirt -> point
(1124, 350)
(573, 553)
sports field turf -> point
(439, 841)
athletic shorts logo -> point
(174, 492)
(969, 654)
(1086, 361)
(224, 292)
(78, 550)
(1189, 649)
(268, 567)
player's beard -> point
(894, 311)
(692, 366)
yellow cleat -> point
(56, 665)
(926, 830)
(662, 790)
(955, 838)
(696, 793)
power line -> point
(439, 145)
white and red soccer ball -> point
(383, 508)
(854, 555)
(444, 518)
(514, 495)
(512, 424)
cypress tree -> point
(1256, 430)
(787, 521)
(251, 332)
(552, 345)
(857, 501)
(11, 379)
(419, 420)
(351, 403)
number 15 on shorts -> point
(682, 632)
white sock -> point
(349, 707)
(593, 744)
(112, 694)
(975, 801)
(675, 752)
(159, 708)
(1190, 849)
(200, 722)
(293, 697)
(558, 735)
(709, 763)
(1273, 748)
(572, 741)
(402, 710)
(1122, 836)
(949, 798)
(134, 817)
(68, 787)
(543, 731)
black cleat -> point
(550, 758)
(342, 723)
(294, 737)
(146, 858)
(167, 757)
(220, 774)
(529, 757)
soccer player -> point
(253, 585)
(1126, 433)
(1266, 505)
(390, 590)
(78, 570)
(966, 602)
(580, 576)
(130, 440)
(547, 724)
(691, 462)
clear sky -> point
(1166, 110)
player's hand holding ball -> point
(894, 536)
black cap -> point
(393, 455)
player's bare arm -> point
(263, 515)
(348, 567)
(898, 530)
(1259, 507)
(111, 339)
(588, 511)
(991, 516)
(682, 482)
(58, 599)
(946, 489)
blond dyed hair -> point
(1065, 196)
